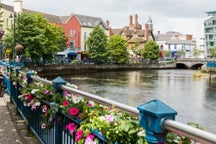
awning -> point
(71, 53)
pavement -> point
(13, 129)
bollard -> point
(152, 115)
(58, 129)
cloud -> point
(179, 15)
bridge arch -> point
(181, 66)
(196, 66)
(189, 65)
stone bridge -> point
(191, 63)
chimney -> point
(136, 19)
(130, 20)
(108, 25)
(189, 37)
(146, 34)
(18, 6)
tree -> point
(39, 38)
(213, 52)
(196, 52)
(117, 49)
(151, 50)
(97, 45)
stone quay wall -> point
(59, 70)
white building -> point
(177, 44)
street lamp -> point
(14, 33)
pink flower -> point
(33, 107)
(43, 125)
(89, 139)
(65, 93)
(28, 97)
(46, 92)
(74, 111)
(110, 118)
(78, 135)
(90, 136)
(51, 93)
(65, 103)
(44, 108)
(70, 127)
(89, 104)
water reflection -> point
(192, 98)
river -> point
(194, 98)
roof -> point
(7, 7)
(88, 21)
(170, 38)
(85, 21)
(50, 17)
(135, 39)
(180, 42)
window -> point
(85, 38)
(71, 44)
(72, 33)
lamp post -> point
(14, 33)
(1, 47)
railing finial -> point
(152, 115)
(57, 82)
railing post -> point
(152, 116)
(28, 75)
(58, 130)
(17, 86)
(11, 82)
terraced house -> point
(76, 27)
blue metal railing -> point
(156, 121)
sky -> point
(184, 16)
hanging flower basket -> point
(18, 47)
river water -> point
(194, 98)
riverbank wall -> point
(69, 69)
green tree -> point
(97, 45)
(166, 53)
(212, 52)
(151, 50)
(39, 38)
(117, 49)
(196, 52)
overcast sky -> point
(182, 16)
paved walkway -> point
(8, 132)
(13, 129)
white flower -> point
(102, 118)
(34, 91)
(76, 99)
(141, 133)
(37, 103)
(20, 96)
